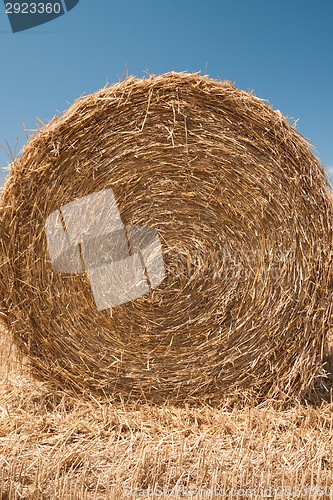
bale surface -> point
(243, 212)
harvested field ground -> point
(57, 446)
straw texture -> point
(243, 212)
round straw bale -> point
(241, 211)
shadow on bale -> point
(243, 212)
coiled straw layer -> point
(243, 212)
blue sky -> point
(282, 50)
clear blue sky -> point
(281, 49)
